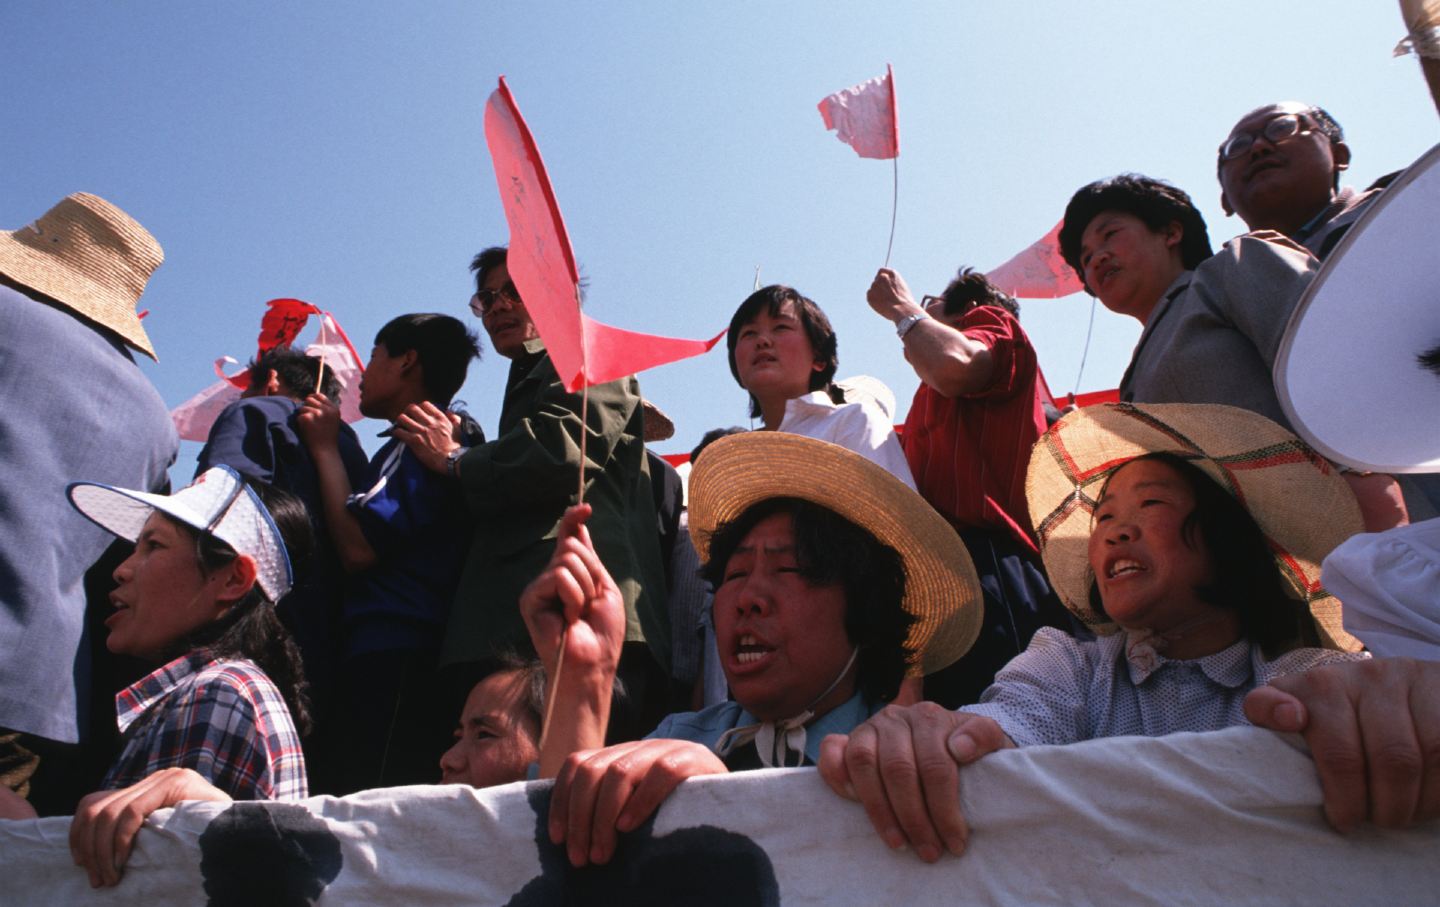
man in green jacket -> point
(519, 485)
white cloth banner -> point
(1223, 818)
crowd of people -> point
(886, 605)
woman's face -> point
(773, 355)
(1128, 265)
(1146, 569)
(162, 596)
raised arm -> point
(318, 424)
(944, 358)
(575, 605)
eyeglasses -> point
(1275, 131)
(927, 301)
(484, 300)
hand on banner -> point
(14, 806)
(318, 422)
(430, 432)
(890, 296)
(903, 766)
(601, 792)
(1373, 728)
(105, 824)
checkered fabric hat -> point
(1298, 499)
(941, 588)
(218, 502)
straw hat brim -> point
(941, 588)
(658, 426)
(89, 256)
(1300, 502)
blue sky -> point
(336, 153)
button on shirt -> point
(1060, 690)
(224, 718)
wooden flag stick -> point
(320, 375)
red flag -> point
(865, 117)
(334, 350)
(542, 265)
(1039, 271)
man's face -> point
(782, 638)
(1280, 185)
(505, 318)
(162, 596)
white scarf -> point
(774, 739)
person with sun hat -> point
(833, 583)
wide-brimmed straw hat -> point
(1373, 305)
(1299, 500)
(90, 257)
(941, 589)
(217, 502)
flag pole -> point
(894, 208)
(580, 499)
(320, 374)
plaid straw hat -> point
(1301, 504)
(217, 502)
(90, 257)
(941, 588)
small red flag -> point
(1039, 271)
(542, 265)
(865, 116)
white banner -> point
(1225, 818)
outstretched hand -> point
(1373, 728)
(575, 594)
(903, 766)
(105, 824)
(599, 793)
(430, 432)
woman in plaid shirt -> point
(217, 719)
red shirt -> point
(969, 454)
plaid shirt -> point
(221, 717)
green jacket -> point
(518, 487)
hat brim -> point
(1372, 304)
(1299, 501)
(941, 588)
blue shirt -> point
(416, 522)
(707, 725)
(76, 408)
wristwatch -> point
(904, 325)
(452, 461)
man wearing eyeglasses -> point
(1279, 169)
(518, 486)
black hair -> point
(710, 437)
(296, 371)
(971, 288)
(831, 549)
(1246, 578)
(444, 347)
(624, 710)
(486, 261)
(250, 628)
(823, 341)
(1430, 360)
(1155, 202)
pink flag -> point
(1038, 272)
(281, 324)
(542, 265)
(864, 116)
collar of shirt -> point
(1177, 286)
(1339, 202)
(1231, 667)
(134, 700)
(840, 720)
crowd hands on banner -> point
(1372, 725)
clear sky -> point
(335, 152)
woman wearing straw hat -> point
(1198, 597)
(832, 582)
